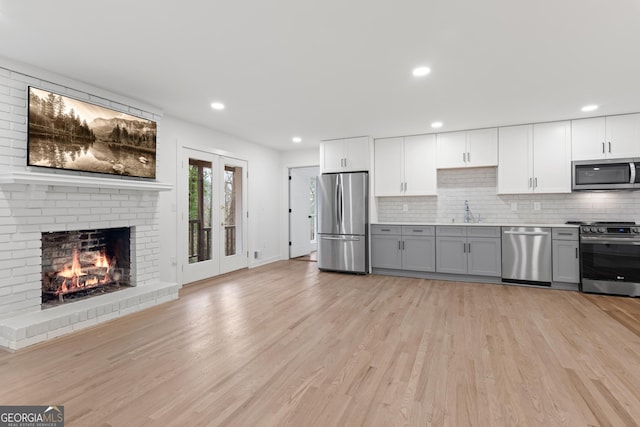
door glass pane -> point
(200, 202)
(232, 215)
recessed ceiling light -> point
(421, 71)
(296, 139)
(592, 107)
(217, 105)
(436, 125)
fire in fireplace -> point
(83, 263)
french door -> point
(233, 215)
(213, 215)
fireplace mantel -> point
(36, 178)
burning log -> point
(75, 277)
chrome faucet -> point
(468, 216)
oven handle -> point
(611, 241)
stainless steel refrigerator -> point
(343, 220)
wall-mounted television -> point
(67, 133)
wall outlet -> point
(536, 206)
(405, 207)
(514, 206)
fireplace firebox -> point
(83, 263)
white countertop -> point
(474, 224)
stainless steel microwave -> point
(609, 174)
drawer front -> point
(386, 229)
(451, 231)
(564, 233)
(482, 231)
(418, 230)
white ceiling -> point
(338, 68)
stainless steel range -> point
(610, 258)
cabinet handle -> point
(603, 148)
(535, 182)
(405, 186)
(468, 157)
(464, 159)
(401, 187)
(469, 247)
(403, 245)
(417, 231)
(464, 248)
(385, 229)
(399, 245)
(530, 182)
(577, 253)
(609, 146)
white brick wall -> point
(26, 211)
(478, 186)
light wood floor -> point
(286, 345)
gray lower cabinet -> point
(473, 250)
(403, 247)
(566, 255)
(386, 252)
(452, 254)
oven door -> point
(610, 265)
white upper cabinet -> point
(472, 148)
(608, 137)
(389, 160)
(535, 158)
(552, 157)
(420, 174)
(345, 155)
(405, 166)
(452, 149)
(514, 159)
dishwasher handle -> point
(527, 233)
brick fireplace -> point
(36, 205)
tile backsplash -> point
(478, 186)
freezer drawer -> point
(342, 253)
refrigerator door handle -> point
(337, 213)
(340, 207)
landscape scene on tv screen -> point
(66, 133)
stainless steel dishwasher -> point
(526, 255)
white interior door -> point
(198, 194)
(233, 214)
(301, 215)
